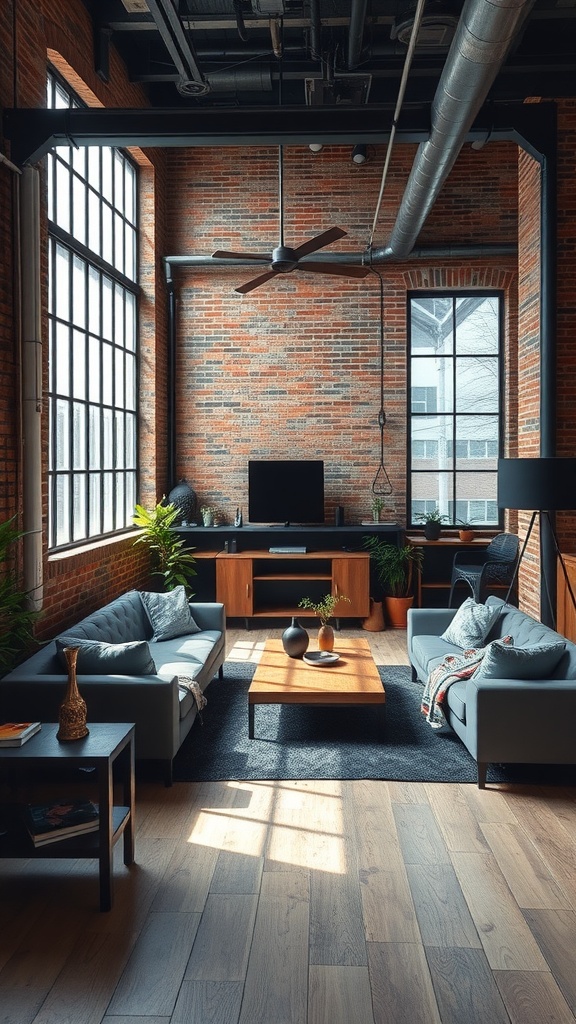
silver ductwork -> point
(482, 40)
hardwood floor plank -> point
(527, 875)
(277, 976)
(154, 973)
(465, 988)
(548, 834)
(488, 804)
(222, 943)
(507, 942)
(339, 995)
(205, 1002)
(187, 879)
(441, 909)
(420, 838)
(401, 984)
(555, 933)
(533, 997)
(336, 929)
(457, 822)
(237, 873)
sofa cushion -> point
(169, 613)
(427, 650)
(98, 658)
(534, 661)
(471, 624)
(456, 700)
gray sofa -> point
(162, 710)
(502, 721)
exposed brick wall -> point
(292, 369)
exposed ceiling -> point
(254, 54)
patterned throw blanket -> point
(185, 683)
(453, 668)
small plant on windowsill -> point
(432, 522)
(324, 610)
(465, 530)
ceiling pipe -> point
(171, 29)
(356, 32)
(481, 43)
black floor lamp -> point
(542, 486)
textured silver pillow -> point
(169, 613)
(535, 661)
(471, 624)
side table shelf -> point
(108, 745)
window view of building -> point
(92, 337)
(454, 416)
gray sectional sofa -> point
(152, 698)
(503, 720)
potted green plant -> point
(466, 530)
(209, 515)
(432, 522)
(171, 559)
(324, 610)
(394, 569)
(16, 616)
(377, 506)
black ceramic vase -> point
(295, 639)
(184, 498)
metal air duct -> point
(485, 32)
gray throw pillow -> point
(169, 613)
(96, 658)
(534, 661)
(471, 624)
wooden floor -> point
(307, 903)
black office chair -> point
(496, 566)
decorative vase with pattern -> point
(295, 639)
(72, 716)
(184, 498)
(326, 638)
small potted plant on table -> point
(432, 523)
(324, 610)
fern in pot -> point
(394, 569)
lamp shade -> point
(537, 484)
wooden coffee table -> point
(278, 679)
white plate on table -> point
(321, 657)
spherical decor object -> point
(184, 498)
(295, 639)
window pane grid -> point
(92, 339)
(454, 406)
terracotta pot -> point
(466, 535)
(375, 621)
(397, 611)
(326, 638)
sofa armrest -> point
(428, 622)
(209, 615)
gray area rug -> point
(293, 742)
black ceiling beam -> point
(33, 132)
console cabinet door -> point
(234, 586)
(351, 577)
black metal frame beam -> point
(33, 132)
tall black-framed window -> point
(93, 339)
(455, 405)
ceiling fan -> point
(283, 259)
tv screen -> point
(286, 491)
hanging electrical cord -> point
(399, 102)
(381, 485)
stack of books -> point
(61, 819)
(14, 734)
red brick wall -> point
(292, 369)
(76, 582)
(566, 307)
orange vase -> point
(325, 638)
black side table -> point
(106, 744)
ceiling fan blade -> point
(223, 254)
(256, 282)
(338, 269)
(319, 241)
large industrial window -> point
(454, 419)
(92, 337)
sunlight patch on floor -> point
(293, 823)
(246, 650)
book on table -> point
(14, 734)
(60, 819)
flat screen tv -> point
(286, 491)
